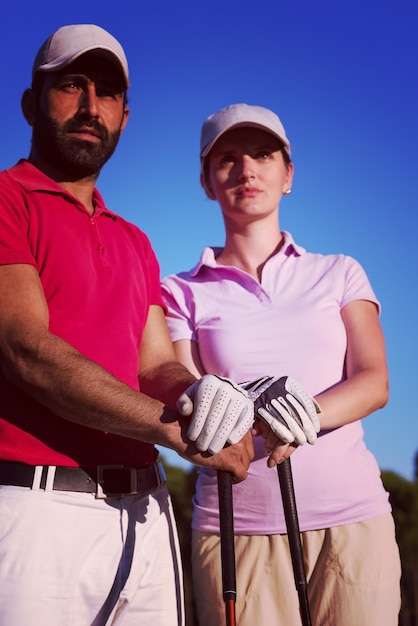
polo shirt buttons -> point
(100, 249)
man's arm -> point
(50, 370)
(160, 374)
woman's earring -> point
(288, 192)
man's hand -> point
(235, 459)
(284, 405)
(221, 412)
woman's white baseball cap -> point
(237, 115)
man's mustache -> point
(76, 125)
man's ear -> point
(125, 117)
(28, 104)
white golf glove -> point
(221, 412)
(285, 406)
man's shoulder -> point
(25, 175)
(11, 185)
(8, 174)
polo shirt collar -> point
(34, 180)
(208, 256)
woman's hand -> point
(276, 449)
(283, 404)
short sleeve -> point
(14, 224)
(179, 309)
(357, 284)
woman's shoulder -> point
(325, 258)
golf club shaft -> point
(284, 470)
(226, 523)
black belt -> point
(106, 481)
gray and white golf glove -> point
(221, 412)
(284, 405)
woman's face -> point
(247, 174)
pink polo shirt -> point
(290, 324)
(100, 276)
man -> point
(89, 380)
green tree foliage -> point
(404, 500)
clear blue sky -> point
(343, 78)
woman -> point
(263, 305)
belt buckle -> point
(114, 481)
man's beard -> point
(74, 157)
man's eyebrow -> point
(70, 76)
(104, 79)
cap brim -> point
(205, 151)
(62, 62)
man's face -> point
(79, 116)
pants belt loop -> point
(50, 477)
(37, 477)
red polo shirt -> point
(100, 276)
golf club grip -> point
(284, 471)
(226, 524)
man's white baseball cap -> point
(239, 115)
(67, 43)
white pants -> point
(67, 559)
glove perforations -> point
(222, 413)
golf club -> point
(226, 524)
(284, 471)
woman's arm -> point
(187, 353)
(366, 388)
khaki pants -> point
(353, 574)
